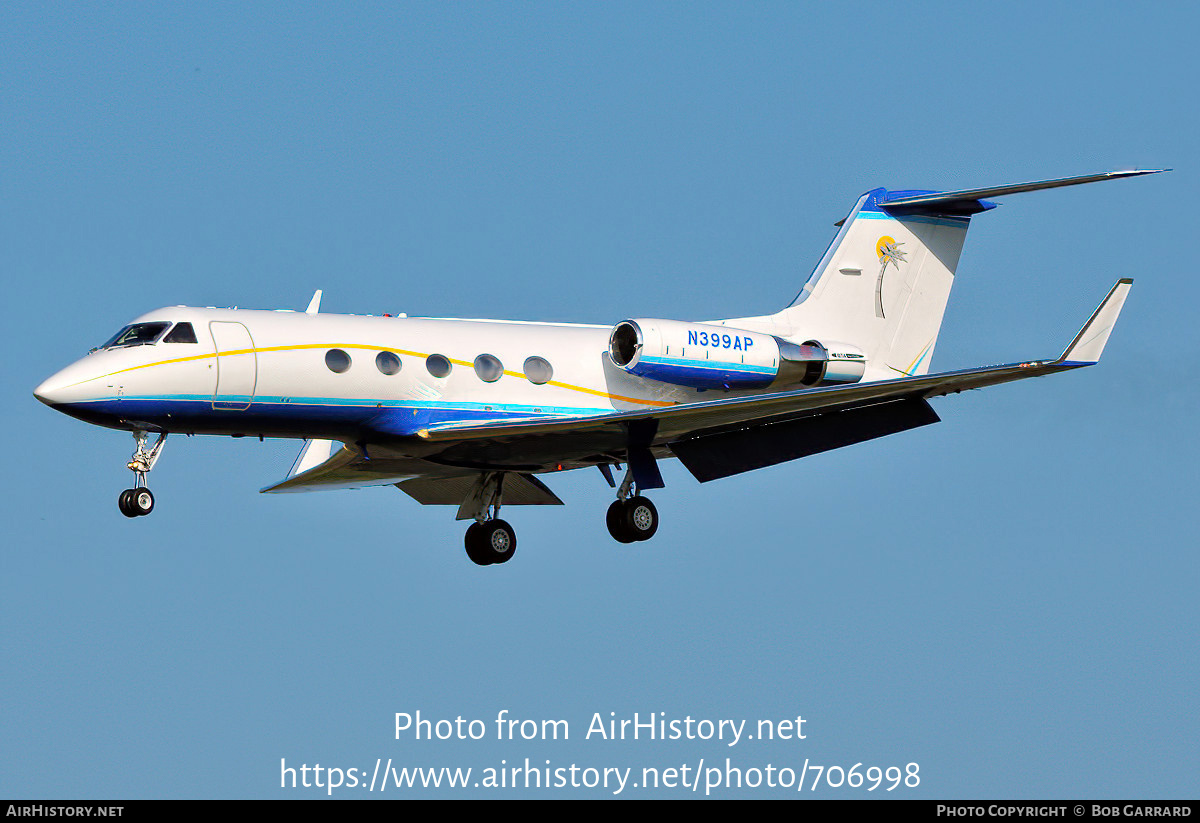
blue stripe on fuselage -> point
(301, 417)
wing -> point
(713, 438)
(576, 438)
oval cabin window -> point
(337, 360)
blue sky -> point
(1006, 598)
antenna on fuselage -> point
(314, 305)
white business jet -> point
(470, 412)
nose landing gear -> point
(139, 500)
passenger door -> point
(237, 366)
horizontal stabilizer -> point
(972, 201)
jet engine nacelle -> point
(705, 356)
(840, 363)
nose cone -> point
(50, 391)
(71, 385)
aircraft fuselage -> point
(291, 374)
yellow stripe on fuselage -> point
(300, 346)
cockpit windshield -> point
(139, 334)
(182, 333)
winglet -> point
(1088, 345)
(314, 305)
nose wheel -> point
(136, 502)
(139, 500)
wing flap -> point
(712, 457)
(519, 490)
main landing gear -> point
(489, 540)
(139, 500)
(631, 517)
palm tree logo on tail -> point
(888, 251)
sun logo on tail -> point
(888, 251)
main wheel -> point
(616, 522)
(499, 540)
(125, 505)
(641, 518)
(475, 547)
(141, 501)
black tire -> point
(616, 522)
(124, 504)
(141, 501)
(499, 541)
(641, 518)
(473, 540)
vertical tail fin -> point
(883, 283)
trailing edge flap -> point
(519, 490)
(714, 456)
